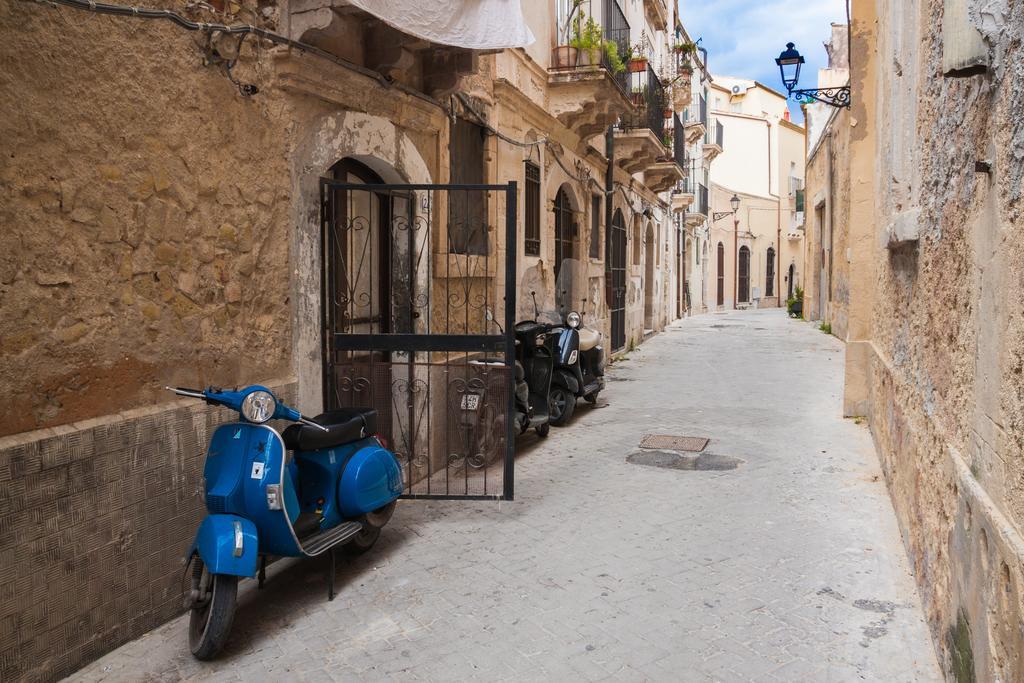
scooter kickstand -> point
(263, 572)
(330, 579)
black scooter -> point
(535, 360)
(579, 367)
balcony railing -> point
(616, 30)
(651, 101)
(678, 142)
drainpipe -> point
(609, 189)
(736, 257)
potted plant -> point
(637, 59)
(684, 48)
(588, 39)
(637, 96)
(667, 140)
(795, 304)
(564, 55)
(667, 113)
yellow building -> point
(756, 254)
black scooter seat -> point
(344, 425)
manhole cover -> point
(678, 461)
(691, 444)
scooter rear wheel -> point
(543, 430)
(210, 621)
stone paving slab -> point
(788, 568)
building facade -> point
(757, 253)
(169, 225)
(920, 184)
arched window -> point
(769, 278)
(721, 274)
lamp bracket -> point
(719, 215)
(834, 97)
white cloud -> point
(743, 37)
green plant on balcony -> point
(684, 47)
(667, 140)
(638, 57)
(611, 53)
(587, 38)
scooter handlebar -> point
(282, 412)
(184, 391)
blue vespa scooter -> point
(339, 487)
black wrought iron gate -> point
(418, 315)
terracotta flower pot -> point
(588, 58)
(564, 57)
(636, 65)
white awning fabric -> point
(470, 24)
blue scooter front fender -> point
(227, 544)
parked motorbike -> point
(320, 484)
(534, 351)
(580, 362)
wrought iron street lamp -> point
(789, 63)
(734, 203)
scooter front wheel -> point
(212, 614)
(562, 402)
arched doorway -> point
(769, 277)
(743, 295)
(720, 299)
(615, 279)
(649, 278)
(789, 280)
(359, 253)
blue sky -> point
(743, 37)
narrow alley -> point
(788, 567)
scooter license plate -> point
(470, 401)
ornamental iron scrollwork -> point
(835, 97)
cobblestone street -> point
(787, 568)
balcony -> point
(657, 13)
(683, 195)
(698, 212)
(682, 85)
(695, 118)
(668, 172)
(371, 40)
(640, 137)
(585, 93)
(713, 141)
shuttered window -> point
(467, 209)
(531, 211)
(595, 226)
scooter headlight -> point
(259, 406)
(573, 320)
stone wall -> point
(145, 206)
(827, 229)
(947, 330)
(95, 520)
